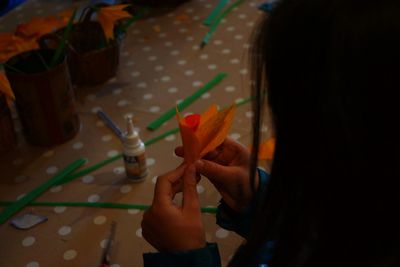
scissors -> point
(105, 259)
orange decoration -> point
(5, 88)
(266, 149)
(109, 15)
(38, 27)
(204, 134)
(11, 45)
(65, 16)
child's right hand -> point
(227, 167)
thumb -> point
(190, 196)
(215, 172)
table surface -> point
(161, 63)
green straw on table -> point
(35, 193)
(107, 205)
(216, 23)
(186, 102)
(216, 11)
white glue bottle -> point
(134, 154)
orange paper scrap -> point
(266, 149)
(203, 133)
(39, 26)
(11, 45)
(109, 15)
(5, 88)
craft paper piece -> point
(203, 133)
(109, 15)
(266, 149)
(5, 88)
(11, 45)
(39, 26)
(27, 221)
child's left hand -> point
(168, 227)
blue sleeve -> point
(241, 222)
(204, 257)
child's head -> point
(330, 71)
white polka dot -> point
(117, 91)
(243, 71)
(142, 85)
(21, 178)
(206, 95)
(112, 153)
(106, 138)
(28, 241)
(190, 38)
(93, 198)
(32, 264)
(208, 6)
(152, 58)
(59, 209)
(212, 67)
(158, 68)
(115, 265)
(168, 44)
(189, 72)
(129, 63)
(226, 51)
(200, 189)
(183, 30)
(103, 243)
(203, 56)
(165, 79)
(230, 88)
(175, 52)
(230, 29)
(170, 138)
(146, 48)
(64, 230)
(197, 84)
(125, 54)
(48, 153)
(154, 179)
(177, 22)
(250, 24)
(235, 136)
(150, 161)
(172, 90)
(77, 145)
(91, 97)
(235, 61)
(162, 35)
(127, 115)
(133, 211)
(119, 170)
(264, 129)
(139, 232)
(196, 47)
(123, 103)
(154, 109)
(242, 16)
(181, 62)
(189, 10)
(125, 189)
(70, 255)
(217, 42)
(135, 74)
(99, 220)
(249, 114)
(56, 189)
(96, 109)
(195, 18)
(100, 124)
(87, 179)
(52, 170)
(221, 233)
(147, 96)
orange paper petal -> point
(211, 132)
(38, 26)
(109, 15)
(5, 88)
(267, 149)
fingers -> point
(190, 197)
(164, 192)
(214, 171)
(179, 151)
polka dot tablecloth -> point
(161, 64)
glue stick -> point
(134, 154)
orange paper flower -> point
(109, 15)
(5, 88)
(11, 45)
(266, 150)
(39, 26)
(203, 133)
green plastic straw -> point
(216, 23)
(185, 103)
(61, 47)
(216, 11)
(20, 204)
(107, 205)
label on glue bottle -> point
(135, 167)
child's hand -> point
(168, 227)
(227, 168)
